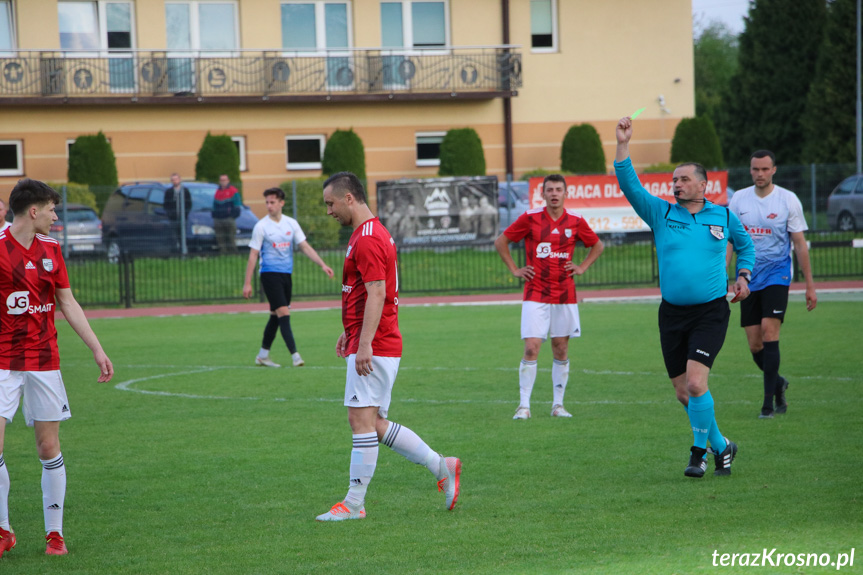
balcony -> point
(158, 77)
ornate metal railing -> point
(359, 73)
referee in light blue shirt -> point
(691, 239)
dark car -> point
(135, 221)
(845, 205)
(80, 226)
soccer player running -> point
(372, 345)
(773, 216)
(33, 278)
(274, 237)
(691, 238)
(550, 306)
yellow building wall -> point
(614, 57)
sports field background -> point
(194, 461)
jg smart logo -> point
(18, 302)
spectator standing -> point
(226, 209)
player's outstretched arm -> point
(250, 269)
(75, 316)
(307, 249)
(624, 134)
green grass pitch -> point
(201, 463)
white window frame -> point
(305, 165)
(195, 31)
(426, 162)
(10, 14)
(241, 146)
(19, 169)
(554, 34)
(321, 50)
(408, 29)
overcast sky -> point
(729, 12)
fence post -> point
(126, 262)
(294, 197)
(814, 212)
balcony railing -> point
(366, 74)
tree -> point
(581, 151)
(695, 140)
(92, 161)
(778, 51)
(715, 61)
(344, 153)
(321, 229)
(828, 123)
(461, 154)
(218, 155)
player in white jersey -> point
(275, 237)
(773, 216)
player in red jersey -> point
(372, 345)
(550, 306)
(32, 279)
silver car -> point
(81, 227)
(845, 205)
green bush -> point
(581, 152)
(660, 168)
(322, 230)
(461, 154)
(77, 194)
(695, 140)
(218, 155)
(344, 153)
(92, 161)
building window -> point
(428, 148)
(11, 158)
(240, 142)
(305, 152)
(543, 25)
(197, 25)
(7, 36)
(321, 28)
(411, 24)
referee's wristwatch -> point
(746, 275)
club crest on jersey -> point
(567, 233)
(48, 264)
(717, 232)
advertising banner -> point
(599, 199)
(439, 211)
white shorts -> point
(375, 389)
(43, 391)
(542, 320)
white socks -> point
(410, 446)
(559, 379)
(53, 493)
(526, 379)
(364, 459)
(4, 495)
(264, 353)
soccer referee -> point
(691, 238)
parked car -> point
(513, 199)
(81, 227)
(845, 204)
(135, 221)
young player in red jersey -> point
(550, 306)
(372, 345)
(32, 278)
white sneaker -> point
(266, 362)
(560, 411)
(451, 469)
(340, 512)
(522, 413)
(298, 361)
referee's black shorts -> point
(694, 332)
(772, 301)
(277, 287)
